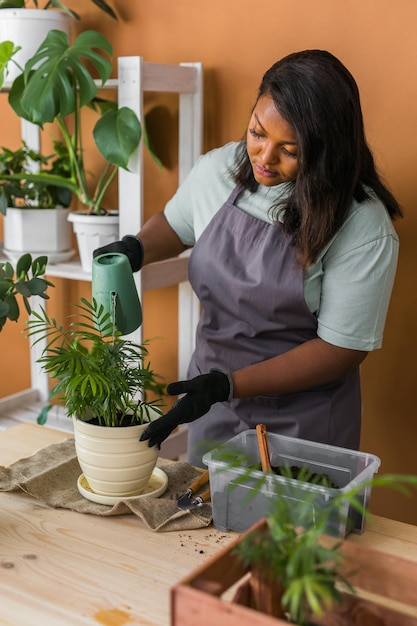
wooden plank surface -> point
(26, 439)
(389, 536)
(58, 567)
(63, 568)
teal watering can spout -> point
(113, 287)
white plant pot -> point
(28, 28)
(113, 460)
(93, 231)
(38, 231)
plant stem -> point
(102, 186)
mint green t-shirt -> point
(348, 288)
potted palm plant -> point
(27, 22)
(104, 381)
(58, 82)
(23, 281)
(35, 213)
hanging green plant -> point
(23, 282)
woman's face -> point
(271, 145)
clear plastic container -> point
(238, 501)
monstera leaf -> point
(117, 133)
(56, 80)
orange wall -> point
(237, 40)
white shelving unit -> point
(135, 77)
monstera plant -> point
(57, 83)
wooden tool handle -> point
(200, 499)
(205, 496)
(199, 481)
(263, 448)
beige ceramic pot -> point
(113, 460)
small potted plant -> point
(103, 380)
(58, 82)
(290, 571)
(23, 282)
(35, 213)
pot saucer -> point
(156, 486)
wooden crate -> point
(385, 585)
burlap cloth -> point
(51, 474)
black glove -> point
(201, 392)
(130, 245)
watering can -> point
(113, 287)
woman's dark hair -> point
(319, 98)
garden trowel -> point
(191, 501)
(113, 287)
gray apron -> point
(251, 290)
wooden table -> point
(58, 567)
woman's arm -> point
(312, 363)
(159, 241)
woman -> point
(293, 261)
